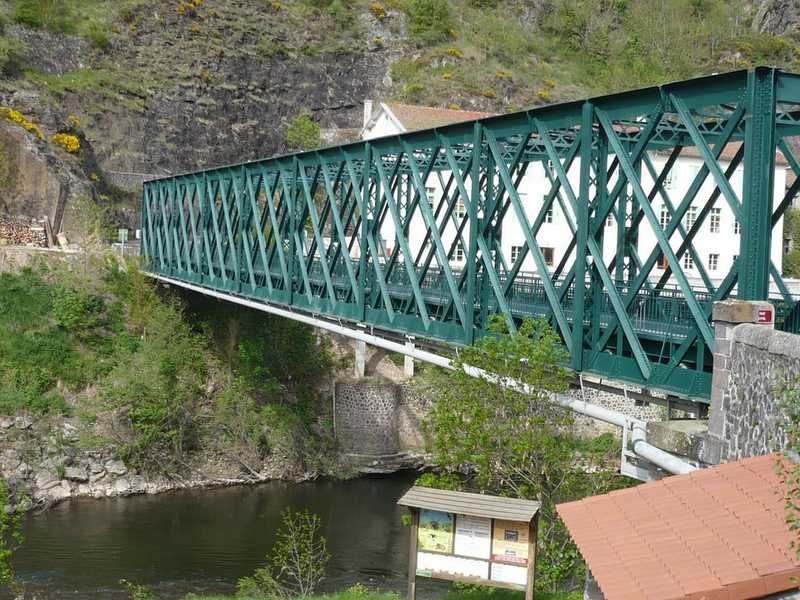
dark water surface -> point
(203, 541)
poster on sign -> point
(436, 531)
(473, 537)
(509, 573)
(510, 542)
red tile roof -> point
(426, 117)
(715, 533)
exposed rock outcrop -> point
(777, 17)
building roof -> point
(474, 505)
(714, 533)
(413, 118)
(728, 153)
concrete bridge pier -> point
(360, 365)
(362, 360)
(408, 363)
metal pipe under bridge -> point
(308, 231)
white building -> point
(716, 245)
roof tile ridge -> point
(422, 106)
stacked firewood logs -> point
(22, 231)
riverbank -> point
(113, 386)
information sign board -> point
(474, 538)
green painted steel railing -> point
(306, 230)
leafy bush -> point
(39, 14)
(297, 562)
(11, 55)
(136, 591)
(10, 539)
(303, 134)
(431, 21)
(77, 310)
(158, 384)
(99, 37)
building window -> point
(664, 217)
(548, 216)
(610, 220)
(691, 217)
(713, 262)
(663, 263)
(515, 250)
(669, 178)
(716, 215)
(461, 210)
(688, 262)
(737, 227)
(431, 193)
(549, 254)
(459, 255)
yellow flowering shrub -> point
(74, 122)
(68, 142)
(17, 117)
(188, 6)
(378, 10)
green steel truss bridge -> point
(302, 231)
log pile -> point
(22, 231)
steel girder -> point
(305, 230)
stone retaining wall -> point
(365, 418)
(383, 419)
(751, 420)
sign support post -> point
(532, 537)
(412, 555)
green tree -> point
(791, 229)
(303, 133)
(10, 539)
(514, 443)
(297, 562)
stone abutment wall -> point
(749, 419)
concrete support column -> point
(361, 359)
(408, 362)
(727, 315)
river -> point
(203, 541)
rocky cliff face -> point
(176, 92)
(778, 17)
